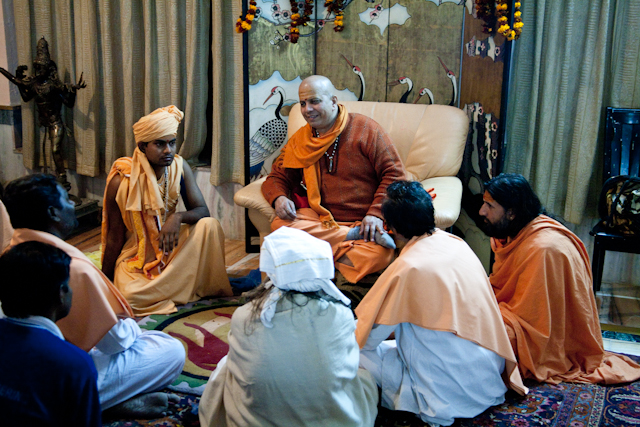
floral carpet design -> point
(203, 327)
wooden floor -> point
(237, 261)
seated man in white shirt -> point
(130, 363)
(451, 356)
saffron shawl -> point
(303, 151)
(543, 284)
(96, 303)
(142, 207)
(425, 288)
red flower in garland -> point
(244, 23)
(337, 8)
(299, 20)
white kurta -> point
(435, 374)
(130, 361)
(302, 372)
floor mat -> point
(202, 327)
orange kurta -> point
(365, 163)
(366, 257)
(438, 283)
(543, 284)
(96, 303)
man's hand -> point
(168, 236)
(369, 226)
(285, 208)
(432, 193)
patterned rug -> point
(202, 327)
(574, 405)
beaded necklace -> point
(333, 153)
(166, 194)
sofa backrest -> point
(429, 138)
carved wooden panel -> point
(482, 67)
(360, 44)
(431, 32)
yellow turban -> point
(162, 122)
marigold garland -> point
(337, 8)
(299, 20)
(244, 23)
(503, 21)
(495, 13)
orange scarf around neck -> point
(304, 150)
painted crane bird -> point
(451, 77)
(402, 81)
(358, 72)
(424, 91)
(268, 138)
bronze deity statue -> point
(49, 93)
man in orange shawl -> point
(451, 356)
(156, 255)
(130, 363)
(542, 281)
(331, 176)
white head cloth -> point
(294, 260)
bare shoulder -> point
(113, 186)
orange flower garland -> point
(297, 19)
(503, 21)
(337, 8)
(244, 24)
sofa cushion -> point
(429, 138)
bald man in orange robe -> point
(542, 281)
(332, 176)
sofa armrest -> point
(448, 199)
(250, 197)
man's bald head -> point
(318, 103)
(320, 84)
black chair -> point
(621, 157)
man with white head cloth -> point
(157, 256)
(293, 357)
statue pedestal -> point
(86, 207)
(88, 215)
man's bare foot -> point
(144, 406)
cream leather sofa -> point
(429, 138)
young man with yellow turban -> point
(157, 256)
(331, 177)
